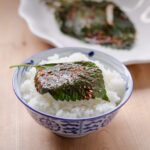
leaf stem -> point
(36, 66)
(24, 65)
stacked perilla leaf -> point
(94, 22)
(71, 81)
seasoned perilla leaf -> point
(71, 81)
(94, 22)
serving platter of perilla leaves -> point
(120, 28)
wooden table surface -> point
(130, 130)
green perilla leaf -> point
(69, 81)
(72, 81)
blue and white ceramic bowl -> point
(74, 127)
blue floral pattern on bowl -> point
(74, 127)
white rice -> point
(115, 87)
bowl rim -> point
(14, 85)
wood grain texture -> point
(130, 130)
